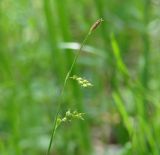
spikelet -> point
(69, 116)
(83, 82)
(95, 25)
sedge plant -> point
(83, 82)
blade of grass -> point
(116, 51)
(58, 57)
(145, 74)
(123, 112)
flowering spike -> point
(69, 116)
(95, 25)
(83, 82)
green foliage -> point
(38, 42)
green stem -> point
(146, 54)
(145, 76)
(62, 91)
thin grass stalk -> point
(65, 82)
(145, 75)
(146, 53)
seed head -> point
(95, 25)
(83, 82)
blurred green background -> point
(38, 41)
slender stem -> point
(62, 91)
(145, 76)
(146, 55)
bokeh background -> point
(38, 40)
